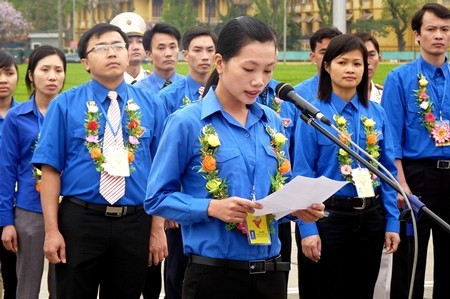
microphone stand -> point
(416, 204)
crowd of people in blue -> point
(109, 179)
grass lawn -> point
(292, 73)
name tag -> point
(257, 230)
(363, 182)
(116, 162)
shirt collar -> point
(100, 92)
(212, 105)
(192, 85)
(340, 104)
(430, 70)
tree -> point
(12, 22)
(180, 14)
(399, 13)
(325, 12)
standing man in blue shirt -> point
(96, 149)
(318, 42)
(199, 47)
(416, 98)
(161, 45)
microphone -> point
(287, 93)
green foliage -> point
(381, 27)
(180, 14)
(325, 12)
(400, 13)
(292, 73)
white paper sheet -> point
(298, 194)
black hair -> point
(338, 46)
(7, 61)
(159, 28)
(322, 33)
(194, 32)
(439, 10)
(235, 35)
(367, 37)
(37, 55)
(97, 31)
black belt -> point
(437, 164)
(253, 267)
(107, 210)
(357, 203)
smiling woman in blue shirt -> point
(20, 210)
(223, 152)
(344, 250)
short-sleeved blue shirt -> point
(62, 142)
(154, 82)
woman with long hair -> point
(20, 210)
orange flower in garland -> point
(440, 132)
(372, 147)
(217, 187)
(92, 125)
(284, 166)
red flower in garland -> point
(92, 125)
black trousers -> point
(352, 243)
(106, 252)
(433, 187)
(174, 265)
(207, 282)
(8, 261)
(284, 234)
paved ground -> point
(292, 288)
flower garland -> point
(186, 101)
(37, 173)
(439, 132)
(276, 104)
(92, 125)
(372, 147)
(217, 187)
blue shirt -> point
(185, 89)
(20, 132)
(62, 142)
(316, 155)
(411, 139)
(245, 159)
(154, 82)
(308, 89)
(13, 103)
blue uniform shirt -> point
(308, 88)
(20, 133)
(154, 82)
(63, 136)
(13, 103)
(411, 139)
(174, 95)
(245, 159)
(316, 155)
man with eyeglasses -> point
(96, 149)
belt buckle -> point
(257, 267)
(363, 206)
(115, 211)
(443, 164)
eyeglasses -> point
(105, 48)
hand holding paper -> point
(299, 194)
